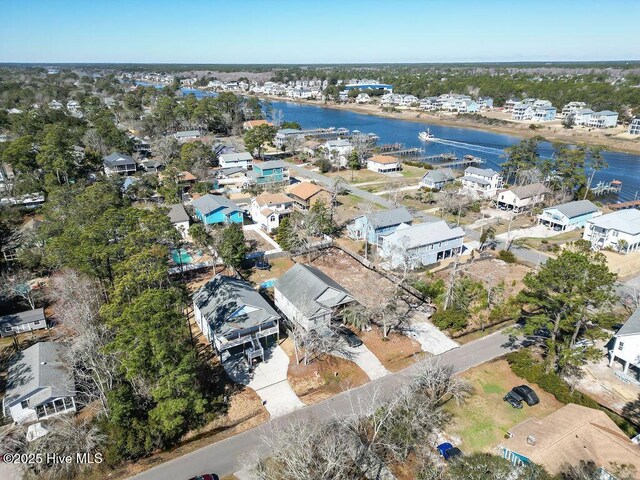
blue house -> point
(215, 209)
(373, 225)
(269, 173)
(568, 216)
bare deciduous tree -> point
(18, 284)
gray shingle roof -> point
(235, 157)
(271, 164)
(576, 209)
(631, 326)
(311, 291)
(483, 172)
(209, 203)
(22, 318)
(116, 159)
(478, 180)
(187, 134)
(221, 301)
(440, 175)
(177, 213)
(423, 234)
(40, 369)
(388, 218)
(528, 191)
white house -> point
(437, 179)
(482, 182)
(26, 321)
(384, 164)
(618, 230)
(179, 219)
(338, 150)
(521, 198)
(363, 98)
(268, 209)
(241, 160)
(522, 111)
(568, 216)
(581, 116)
(308, 298)
(626, 343)
(603, 119)
(571, 108)
(185, 135)
(40, 384)
(634, 126)
(422, 244)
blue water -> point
(268, 283)
(185, 90)
(181, 257)
(487, 145)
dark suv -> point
(527, 394)
(514, 399)
(349, 337)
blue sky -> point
(317, 31)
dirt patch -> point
(626, 266)
(255, 242)
(323, 378)
(278, 267)
(482, 422)
(396, 352)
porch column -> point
(625, 369)
(612, 353)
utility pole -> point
(452, 279)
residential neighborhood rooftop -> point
(386, 218)
(528, 191)
(267, 199)
(631, 326)
(177, 213)
(305, 190)
(576, 208)
(116, 159)
(208, 203)
(626, 220)
(424, 234)
(483, 172)
(22, 318)
(385, 159)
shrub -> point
(507, 256)
(452, 319)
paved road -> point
(234, 453)
(523, 254)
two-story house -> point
(422, 244)
(119, 164)
(437, 179)
(216, 209)
(384, 164)
(481, 182)
(268, 210)
(521, 197)
(235, 318)
(179, 219)
(308, 298)
(273, 172)
(618, 230)
(625, 345)
(568, 216)
(372, 226)
(307, 194)
(242, 160)
(40, 384)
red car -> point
(206, 476)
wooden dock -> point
(451, 160)
(624, 205)
(603, 188)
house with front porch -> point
(625, 345)
(384, 164)
(242, 160)
(216, 209)
(40, 384)
(235, 318)
(617, 230)
(268, 210)
(568, 216)
(437, 179)
(119, 164)
(521, 197)
(271, 173)
(309, 298)
(372, 226)
(307, 194)
(481, 182)
(603, 119)
(420, 245)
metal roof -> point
(22, 317)
(483, 172)
(388, 218)
(229, 304)
(440, 175)
(423, 234)
(209, 203)
(116, 159)
(627, 221)
(631, 326)
(575, 209)
(235, 157)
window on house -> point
(24, 404)
(37, 322)
(620, 345)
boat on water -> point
(426, 136)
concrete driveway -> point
(268, 379)
(430, 338)
(537, 231)
(367, 361)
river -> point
(461, 141)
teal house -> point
(269, 173)
(216, 209)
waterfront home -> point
(568, 216)
(618, 230)
(26, 321)
(268, 210)
(280, 140)
(569, 436)
(251, 124)
(581, 116)
(40, 384)
(363, 98)
(634, 126)
(437, 179)
(485, 103)
(372, 226)
(543, 113)
(306, 194)
(273, 172)
(510, 103)
(535, 110)
(216, 209)
(185, 135)
(235, 318)
(481, 182)
(179, 219)
(419, 245)
(309, 298)
(430, 104)
(571, 108)
(521, 197)
(522, 111)
(409, 100)
(338, 151)
(391, 99)
(241, 160)
(118, 164)
(384, 164)
(603, 119)
(625, 345)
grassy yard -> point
(551, 244)
(483, 421)
(359, 176)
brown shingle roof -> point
(267, 199)
(385, 159)
(305, 190)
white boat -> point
(426, 135)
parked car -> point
(448, 451)
(585, 342)
(542, 332)
(206, 476)
(349, 337)
(514, 399)
(527, 394)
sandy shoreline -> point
(550, 133)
